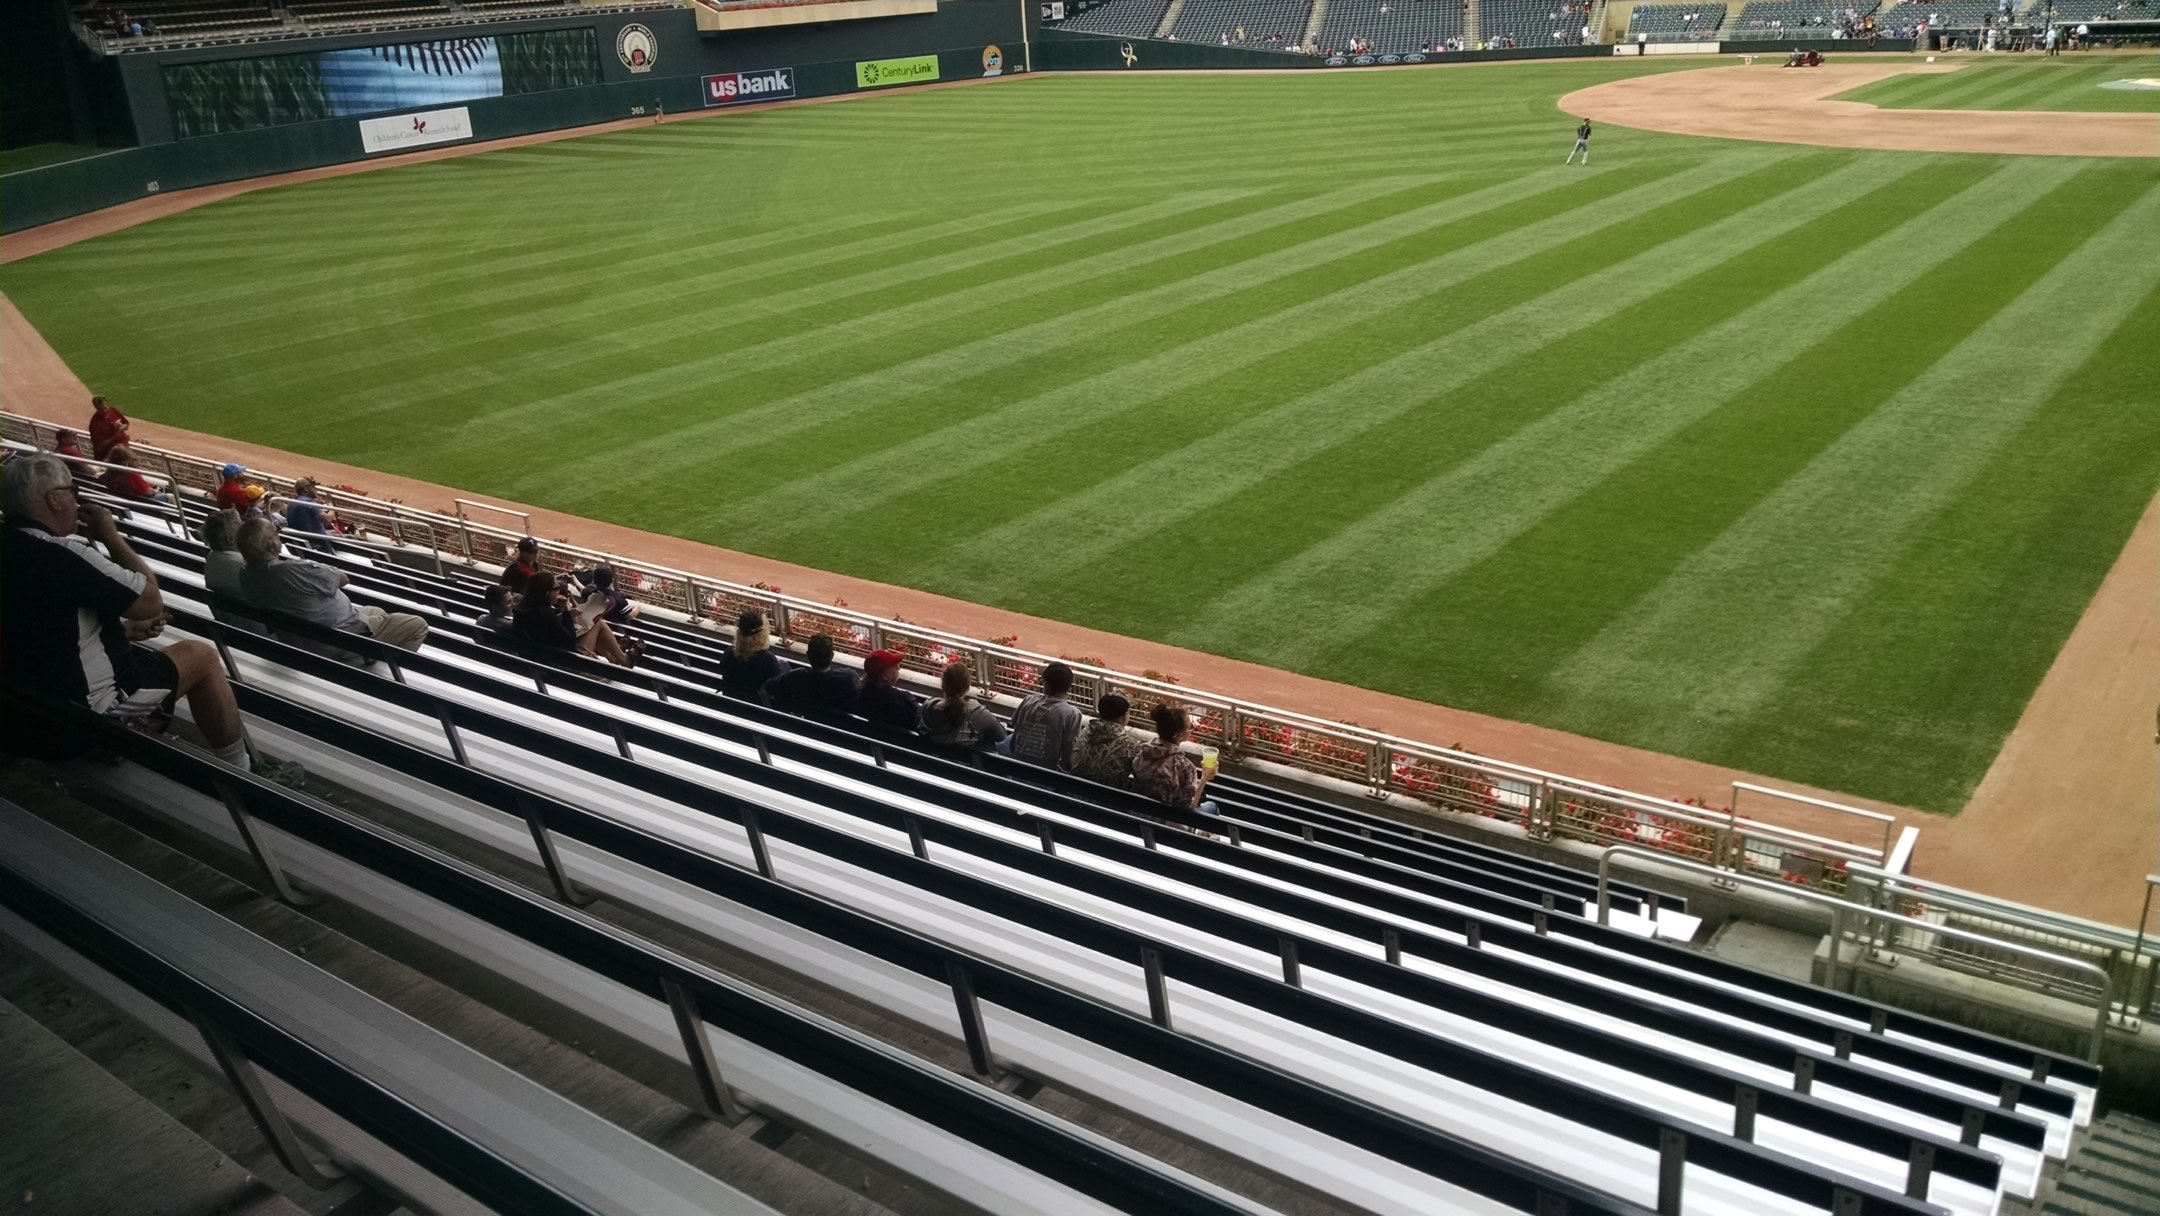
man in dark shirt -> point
(819, 691)
(71, 616)
(882, 702)
(518, 574)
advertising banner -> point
(877, 73)
(401, 132)
(738, 88)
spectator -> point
(819, 691)
(543, 618)
(222, 567)
(615, 608)
(495, 610)
(108, 428)
(122, 481)
(1165, 773)
(518, 575)
(1046, 726)
(232, 492)
(66, 447)
(749, 665)
(958, 720)
(311, 591)
(882, 702)
(59, 586)
(304, 511)
(1106, 748)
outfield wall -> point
(819, 61)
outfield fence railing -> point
(1421, 777)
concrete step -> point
(54, 1100)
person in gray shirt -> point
(1046, 726)
(314, 592)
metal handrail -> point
(2104, 1007)
(1343, 752)
(1889, 822)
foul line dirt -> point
(1792, 106)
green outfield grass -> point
(2022, 82)
(1800, 460)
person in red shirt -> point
(124, 481)
(108, 428)
(66, 447)
(233, 492)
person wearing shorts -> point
(73, 616)
(1582, 143)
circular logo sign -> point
(637, 48)
(993, 61)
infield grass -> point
(2021, 82)
(1799, 460)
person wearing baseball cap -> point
(233, 491)
(888, 708)
(519, 573)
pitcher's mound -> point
(1792, 106)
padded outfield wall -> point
(152, 88)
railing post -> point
(565, 890)
(1158, 989)
(1292, 973)
(257, 848)
(450, 732)
(756, 832)
(1745, 1100)
(1042, 833)
(240, 1071)
(1391, 946)
(971, 1020)
(1474, 935)
(1803, 1074)
(1919, 1168)
(1672, 1170)
(916, 844)
(713, 1092)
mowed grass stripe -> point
(445, 319)
(1238, 329)
(1341, 482)
(1940, 638)
(1633, 527)
(1274, 420)
(1084, 352)
(1580, 418)
(973, 318)
(1755, 601)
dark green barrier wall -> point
(823, 58)
(1059, 51)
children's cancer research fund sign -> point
(401, 132)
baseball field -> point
(1804, 460)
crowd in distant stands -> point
(80, 608)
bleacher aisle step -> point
(54, 1100)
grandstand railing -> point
(1543, 805)
(1938, 922)
(1878, 931)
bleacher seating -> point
(1120, 18)
(1392, 26)
(1807, 18)
(1408, 1024)
(2074, 11)
(346, 12)
(176, 18)
(1210, 20)
(1530, 23)
(1676, 22)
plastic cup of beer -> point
(1210, 758)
